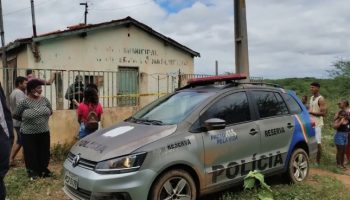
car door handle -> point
(253, 132)
(289, 125)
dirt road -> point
(344, 178)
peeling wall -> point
(106, 50)
(112, 47)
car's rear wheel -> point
(298, 166)
(174, 184)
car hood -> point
(118, 140)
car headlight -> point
(122, 164)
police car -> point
(202, 138)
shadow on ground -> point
(271, 181)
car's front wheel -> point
(298, 166)
(174, 184)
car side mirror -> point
(214, 124)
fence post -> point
(179, 79)
(167, 83)
(59, 90)
(158, 86)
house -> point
(125, 58)
(130, 62)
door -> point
(276, 126)
(230, 153)
(128, 86)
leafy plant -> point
(253, 179)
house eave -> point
(116, 23)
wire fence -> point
(125, 87)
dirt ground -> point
(344, 178)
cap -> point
(32, 84)
(78, 78)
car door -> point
(276, 125)
(229, 152)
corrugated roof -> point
(82, 28)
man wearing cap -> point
(34, 112)
(317, 110)
(6, 129)
(75, 92)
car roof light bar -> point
(263, 84)
(213, 79)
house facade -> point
(125, 58)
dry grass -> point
(20, 187)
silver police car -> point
(203, 138)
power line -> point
(118, 8)
(81, 18)
(97, 9)
(22, 9)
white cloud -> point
(290, 38)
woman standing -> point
(34, 112)
(89, 111)
(343, 104)
(341, 124)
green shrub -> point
(59, 152)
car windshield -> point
(170, 109)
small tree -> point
(341, 75)
(341, 69)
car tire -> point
(298, 166)
(172, 185)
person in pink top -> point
(89, 111)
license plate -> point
(71, 180)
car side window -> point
(293, 105)
(233, 108)
(270, 104)
(283, 109)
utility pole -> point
(33, 17)
(241, 37)
(5, 72)
(86, 11)
(3, 52)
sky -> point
(289, 38)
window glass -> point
(282, 107)
(172, 109)
(269, 105)
(293, 105)
(233, 108)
